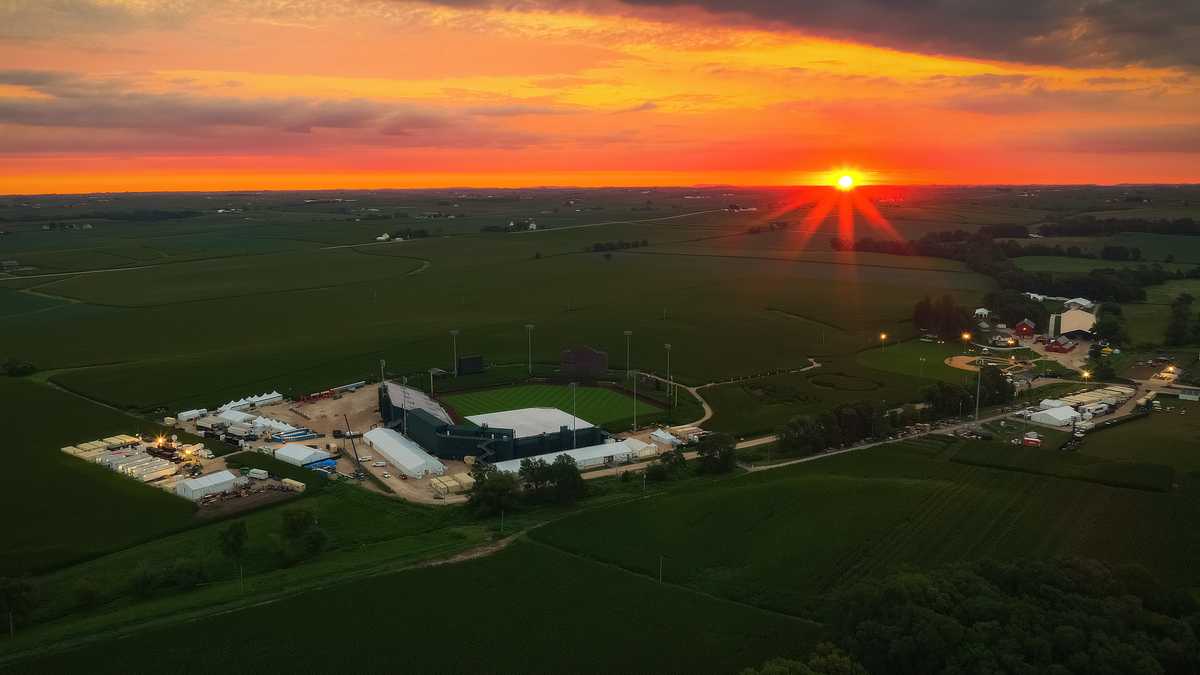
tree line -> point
(1063, 617)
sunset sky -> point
(113, 95)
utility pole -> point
(529, 334)
(670, 383)
(454, 349)
(628, 337)
(574, 418)
(635, 402)
(978, 387)
(404, 407)
(660, 568)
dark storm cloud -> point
(115, 106)
(1170, 138)
(1165, 32)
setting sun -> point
(845, 182)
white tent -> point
(591, 457)
(189, 415)
(196, 488)
(526, 422)
(404, 454)
(1055, 417)
(235, 417)
(300, 455)
(1048, 403)
(664, 437)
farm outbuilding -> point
(403, 453)
(300, 455)
(198, 488)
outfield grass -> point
(68, 508)
(1165, 437)
(922, 360)
(528, 609)
(597, 405)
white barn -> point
(403, 453)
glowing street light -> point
(883, 339)
(1086, 374)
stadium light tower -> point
(628, 337)
(529, 335)
(454, 349)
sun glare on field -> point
(845, 182)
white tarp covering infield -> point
(527, 422)
(404, 454)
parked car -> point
(379, 464)
(387, 475)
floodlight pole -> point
(404, 406)
(529, 335)
(431, 383)
(978, 387)
(635, 426)
(628, 337)
(454, 349)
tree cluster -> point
(619, 245)
(842, 426)
(14, 367)
(943, 317)
(557, 482)
(1061, 617)
(1011, 307)
(716, 454)
(1183, 326)
(1088, 226)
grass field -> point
(597, 405)
(1166, 437)
(528, 609)
(762, 405)
(1050, 461)
(788, 536)
(68, 508)
(922, 360)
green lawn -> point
(1170, 436)
(597, 405)
(528, 609)
(917, 359)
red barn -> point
(1025, 329)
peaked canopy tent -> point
(591, 457)
(198, 488)
(300, 455)
(403, 453)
